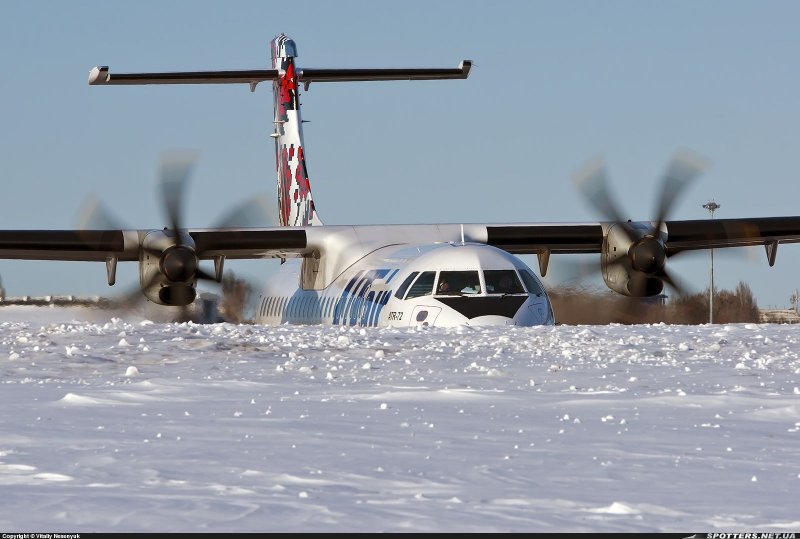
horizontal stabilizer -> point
(100, 76)
(351, 75)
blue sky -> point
(556, 84)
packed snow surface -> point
(129, 425)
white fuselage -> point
(404, 285)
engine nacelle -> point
(168, 267)
(632, 258)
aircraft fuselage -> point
(443, 284)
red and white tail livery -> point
(295, 203)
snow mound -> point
(616, 508)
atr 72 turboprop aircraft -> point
(387, 275)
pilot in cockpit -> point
(444, 286)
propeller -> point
(174, 172)
(647, 254)
(93, 215)
(255, 211)
(178, 262)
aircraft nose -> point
(491, 320)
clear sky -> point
(556, 84)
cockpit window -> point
(423, 286)
(531, 283)
(457, 283)
(502, 282)
(405, 285)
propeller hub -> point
(179, 264)
(647, 255)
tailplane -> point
(295, 203)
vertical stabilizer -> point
(295, 203)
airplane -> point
(388, 275)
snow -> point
(246, 428)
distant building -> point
(660, 299)
(778, 316)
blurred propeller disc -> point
(683, 169)
(257, 211)
(647, 254)
(592, 181)
(179, 263)
(174, 173)
(93, 215)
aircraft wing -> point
(278, 242)
(522, 238)
(79, 245)
(554, 237)
(125, 245)
(680, 235)
(718, 233)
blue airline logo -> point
(358, 304)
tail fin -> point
(295, 203)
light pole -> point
(711, 207)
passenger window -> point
(405, 285)
(502, 282)
(457, 283)
(423, 286)
(532, 283)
